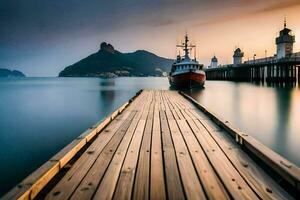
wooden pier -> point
(162, 145)
(271, 71)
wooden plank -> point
(173, 181)
(71, 180)
(285, 169)
(261, 183)
(94, 130)
(142, 178)
(67, 153)
(195, 112)
(89, 184)
(157, 183)
(162, 105)
(211, 183)
(190, 181)
(124, 186)
(210, 125)
(230, 177)
(181, 100)
(176, 113)
(172, 103)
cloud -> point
(279, 5)
(248, 8)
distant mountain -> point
(10, 73)
(108, 62)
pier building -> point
(238, 57)
(285, 42)
(214, 62)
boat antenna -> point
(186, 49)
(195, 53)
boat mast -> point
(186, 47)
(186, 50)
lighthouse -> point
(285, 42)
(214, 62)
(238, 57)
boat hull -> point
(187, 80)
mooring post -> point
(263, 75)
(298, 75)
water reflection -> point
(283, 116)
(107, 82)
(107, 97)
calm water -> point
(39, 116)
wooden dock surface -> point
(162, 145)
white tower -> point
(214, 62)
(285, 42)
(238, 57)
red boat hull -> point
(187, 80)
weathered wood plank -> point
(108, 184)
(142, 178)
(285, 169)
(125, 183)
(67, 153)
(230, 177)
(173, 181)
(190, 181)
(71, 180)
(90, 183)
(213, 187)
(261, 183)
(176, 113)
(157, 183)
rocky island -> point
(108, 62)
(10, 73)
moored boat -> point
(186, 72)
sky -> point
(41, 37)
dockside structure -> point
(282, 68)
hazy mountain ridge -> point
(11, 73)
(108, 62)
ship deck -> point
(162, 145)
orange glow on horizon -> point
(253, 33)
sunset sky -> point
(42, 37)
